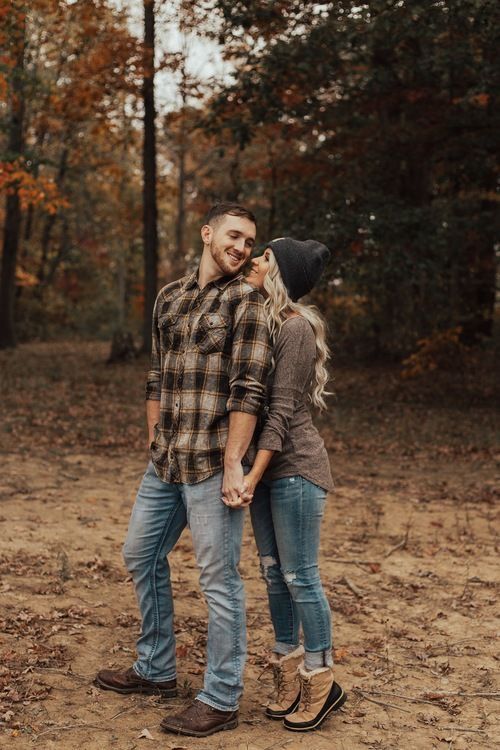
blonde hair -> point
(278, 307)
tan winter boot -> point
(319, 695)
(286, 694)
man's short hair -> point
(219, 210)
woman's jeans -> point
(160, 513)
(286, 518)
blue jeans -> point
(286, 518)
(160, 513)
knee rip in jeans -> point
(290, 576)
(302, 576)
(267, 562)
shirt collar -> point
(225, 280)
(191, 280)
(220, 283)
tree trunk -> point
(177, 261)
(49, 224)
(150, 211)
(12, 227)
(271, 221)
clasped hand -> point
(237, 489)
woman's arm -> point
(255, 474)
(293, 354)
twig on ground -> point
(72, 726)
(380, 703)
(352, 586)
(123, 711)
(436, 695)
(402, 697)
(421, 667)
(495, 695)
(354, 562)
(461, 729)
(404, 541)
(399, 545)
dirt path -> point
(409, 562)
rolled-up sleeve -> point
(293, 354)
(250, 356)
(153, 382)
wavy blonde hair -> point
(278, 307)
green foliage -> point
(386, 116)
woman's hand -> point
(251, 481)
(245, 494)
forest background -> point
(372, 127)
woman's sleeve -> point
(293, 355)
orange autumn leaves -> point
(41, 191)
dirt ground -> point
(409, 560)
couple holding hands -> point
(236, 361)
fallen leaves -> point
(405, 636)
(145, 735)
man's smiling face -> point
(231, 243)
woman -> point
(288, 503)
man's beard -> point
(220, 257)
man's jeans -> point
(160, 513)
(286, 518)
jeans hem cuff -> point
(156, 679)
(213, 704)
(282, 648)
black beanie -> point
(301, 264)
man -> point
(210, 358)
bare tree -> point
(150, 209)
(12, 226)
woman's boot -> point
(319, 696)
(286, 694)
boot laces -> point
(305, 697)
(278, 678)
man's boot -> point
(128, 681)
(200, 720)
(319, 696)
(286, 694)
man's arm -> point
(241, 429)
(152, 417)
(153, 385)
(250, 361)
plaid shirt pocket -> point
(212, 332)
(170, 332)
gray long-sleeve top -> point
(289, 429)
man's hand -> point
(152, 417)
(233, 484)
(245, 493)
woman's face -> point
(258, 270)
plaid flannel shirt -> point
(210, 356)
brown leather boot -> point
(200, 720)
(130, 682)
(319, 696)
(286, 694)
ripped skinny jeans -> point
(286, 518)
